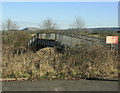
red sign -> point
(111, 39)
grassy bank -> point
(83, 62)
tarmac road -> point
(61, 85)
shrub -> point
(85, 61)
(15, 39)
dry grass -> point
(82, 62)
(33, 35)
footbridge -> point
(60, 41)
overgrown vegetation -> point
(15, 39)
(83, 62)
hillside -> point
(114, 29)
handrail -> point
(86, 38)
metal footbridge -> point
(60, 41)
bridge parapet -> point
(70, 40)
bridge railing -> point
(69, 39)
(41, 36)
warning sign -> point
(111, 39)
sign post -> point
(111, 40)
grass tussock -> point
(84, 61)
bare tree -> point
(78, 24)
(8, 35)
(48, 25)
(9, 25)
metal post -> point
(111, 47)
(41, 36)
(55, 36)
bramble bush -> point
(82, 62)
(15, 39)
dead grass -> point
(82, 62)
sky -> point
(32, 14)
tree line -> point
(48, 24)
